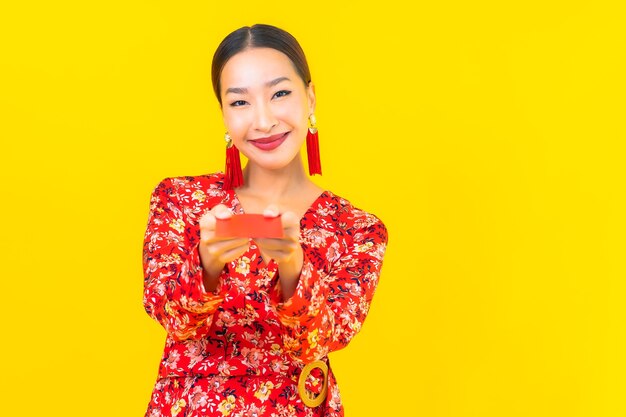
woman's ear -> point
(311, 96)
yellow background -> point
(489, 137)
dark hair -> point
(258, 36)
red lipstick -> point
(271, 142)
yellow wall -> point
(489, 136)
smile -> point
(271, 142)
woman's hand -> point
(215, 252)
(286, 251)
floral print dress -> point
(238, 351)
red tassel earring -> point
(313, 148)
(234, 176)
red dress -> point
(238, 351)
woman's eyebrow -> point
(243, 90)
(276, 81)
(236, 90)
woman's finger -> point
(276, 244)
(290, 220)
(207, 221)
(233, 253)
(271, 211)
(221, 212)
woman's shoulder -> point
(199, 191)
(203, 181)
(342, 212)
(335, 224)
(200, 186)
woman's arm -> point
(328, 309)
(174, 292)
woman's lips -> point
(270, 142)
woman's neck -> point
(275, 184)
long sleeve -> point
(330, 304)
(174, 292)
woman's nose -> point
(265, 119)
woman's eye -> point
(238, 103)
(282, 93)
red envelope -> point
(249, 225)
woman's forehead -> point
(255, 67)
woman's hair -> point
(258, 36)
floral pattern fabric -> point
(238, 350)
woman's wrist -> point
(211, 270)
(210, 280)
(289, 274)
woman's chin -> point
(274, 164)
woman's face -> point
(265, 106)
